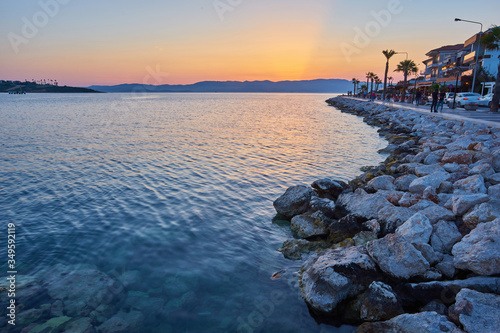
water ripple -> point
(171, 185)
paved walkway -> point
(480, 116)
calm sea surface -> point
(172, 195)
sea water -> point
(169, 196)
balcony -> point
(469, 57)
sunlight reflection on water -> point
(176, 187)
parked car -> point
(486, 100)
(467, 98)
(449, 98)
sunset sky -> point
(89, 42)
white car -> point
(486, 100)
(448, 99)
(467, 98)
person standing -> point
(418, 97)
(434, 101)
(442, 95)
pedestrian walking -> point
(418, 97)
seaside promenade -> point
(480, 116)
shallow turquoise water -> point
(176, 190)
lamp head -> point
(457, 19)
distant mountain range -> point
(306, 86)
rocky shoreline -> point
(411, 245)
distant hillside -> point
(310, 86)
(32, 87)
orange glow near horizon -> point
(100, 43)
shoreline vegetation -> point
(410, 245)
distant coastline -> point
(33, 87)
(304, 86)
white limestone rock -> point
(477, 312)
(433, 180)
(479, 251)
(444, 235)
(335, 275)
(397, 257)
(417, 229)
(462, 203)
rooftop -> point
(446, 48)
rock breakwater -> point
(411, 245)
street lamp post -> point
(417, 77)
(477, 51)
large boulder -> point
(294, 249)
(397, 257)
(444, 236)
(425, 170)
(294, 201)
(424, 322)
(494, 179)
(437, 213)
(80, 325)
(494, 192)
(495, 163)
(329, 188)
(403, 183)
(429, 254)
(309, 225)
(326, 206)
(433, 180)
(82, 288)
(410, 199)
(470, 185)
(417, 229)
(479, 251)
(460, 204)
(379, 302)
(123, 322)
(445, 291)
(447, 267)
(381, 183)
(484, 169)
(346, 227)
(335, 275)
(477, 312)
(459, 157)
(361, 204)
(480, 214)
(391, 217)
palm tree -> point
(370, 76)
(388, 54)
(377, 83)
(363, 87)
(491, 41)
(407, 67)
(355, 82)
